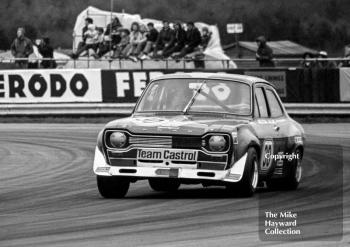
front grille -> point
(151, 141)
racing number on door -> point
(266, 158)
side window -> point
(275, 107)
(260, 98)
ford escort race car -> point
(202, 128)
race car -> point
(202, 128)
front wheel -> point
(248, 183)
(112, 187)
(164, 184)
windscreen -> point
(197, 95)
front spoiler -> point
(234, 174)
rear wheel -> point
(161, 184)
(112, 187)
(248, 183)
(293, 177)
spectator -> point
(46, 51)
(91, 41)
(179, 40)
(113, 27)
(151, 36)
(324, 64)
(88, 21)
(206, 37)
(305, 63)
(137, 40)
(122, 48)
(165, 40)
(193, 40)
(21, 47)
(264, 53)
(346, 63)
(101, 46)
(198, 54)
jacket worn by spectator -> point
(205, 40)
(180, 37)
(46, 51)
(152, 35)
(22, 47)
(166, 37)
(193, 37)
(264, 53)
(112, 28)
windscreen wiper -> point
(190, 103)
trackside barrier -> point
(125, 86)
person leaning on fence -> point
(324, 64)
(164, 41)
(305, 63)
(21, 47)
(151, 38)
(264, 53)
(121, 49)
(193, 40)
(179, 40)
(346, 62)
(47, 52)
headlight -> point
(118, 139)
(217, 143)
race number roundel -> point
(221, 91)
(266, 158)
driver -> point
(178, 96)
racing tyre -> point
(112, 187)
(293, 177)
(161, 184)
(247, 186)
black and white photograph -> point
(174, 123)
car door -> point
(278, 116)
(265, 129)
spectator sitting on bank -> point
(165, 40)
(114, 27)
(122, 48)
(264, 53)
(47, 52)
(198, 53)
(101, 44)
(88, 21)
(179, 40)
(113, 31)
(324, 64)
(206, 37)
(346, 63)
(151, 36)
(193, 40)
(305, 63)
(137, 40)
(21, 47)
(91, 41)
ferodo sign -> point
(47, 86)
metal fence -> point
(113, 63)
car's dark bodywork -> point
(277, 134)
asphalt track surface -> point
(48, 197)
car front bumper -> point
(233, 175)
